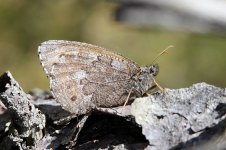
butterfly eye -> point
(151, 70)
(139, 79)
(154, 69)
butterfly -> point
(84, 76)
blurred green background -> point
(25, 24)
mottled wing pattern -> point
(83, 76)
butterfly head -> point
(144, 80)
(153, 69)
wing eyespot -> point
(74, 98)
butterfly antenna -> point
(163, 52)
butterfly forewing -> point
(83, 76)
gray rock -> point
(180, 117)
(27, 124)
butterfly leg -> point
(79, 127)
(160, 88)
(127, 98)
(150, 91)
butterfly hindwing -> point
(83, 76)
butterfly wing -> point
(83, 76)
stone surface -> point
(27, 122)
(188, 118)
(178, 116)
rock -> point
(180, 117)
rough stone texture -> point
(180, 118)
(27, 121)
(189, 118)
